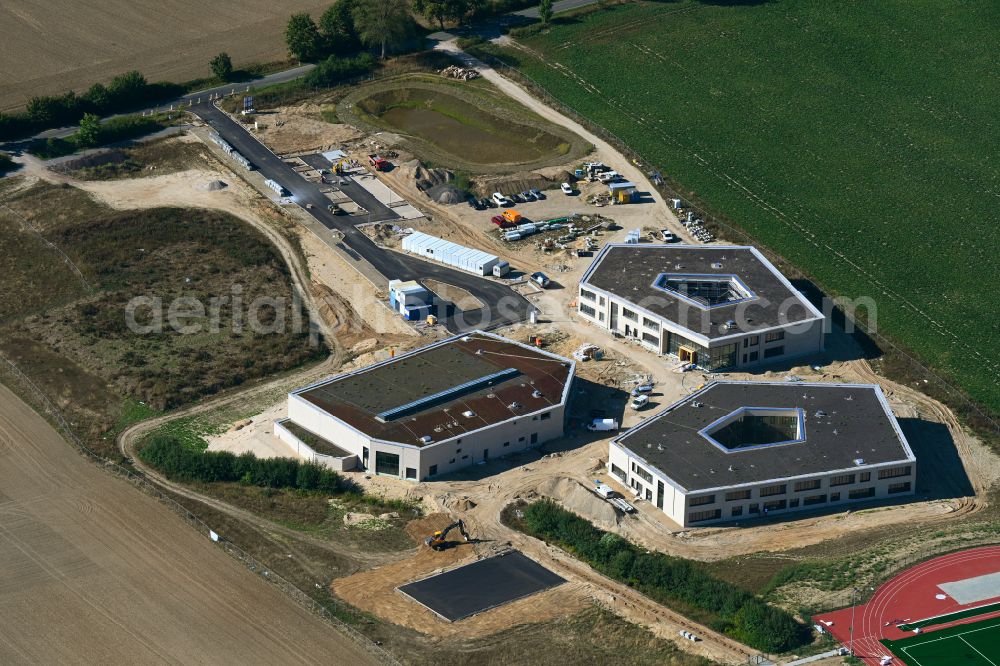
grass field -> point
(951, 617)
(975, 644)
(466, 125)
(856, 139)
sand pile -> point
(580, 500)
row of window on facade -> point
(712, 359)
(804, 486)
(388, 463)
(810, 500)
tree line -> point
(348, 25)
(669, 580)
(125, 92)
(179, 462)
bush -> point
(335, 70)
(669, 580)
(179, 462)
(6, 163)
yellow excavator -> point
(438, 541)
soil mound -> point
(581, 501)
(446, 194)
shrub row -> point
(183, 463)
(335, 70)
(93, 133)
(669, 580)
(125, 92)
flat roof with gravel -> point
(701, 288)
(733, 433)
(455, 386)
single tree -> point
(302, 37)
(545, 11)
(222, 66)
(442, 10)
(336, 26)
(89, 133)
(385, 23)
(98, 97)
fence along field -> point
(858, 140)
(51, 47)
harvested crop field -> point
(52, 47)
(461, 125)
(93, 571)
(848, 138)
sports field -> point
(953, 632)
(976, 644)
(857, 139)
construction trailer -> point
(410, 299)
(450, 254)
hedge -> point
(179, 462)
(669, 580)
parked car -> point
(566, 188)
(602, 425)
(487, 203)
(668, 237)
(518, 198)
(640, 402)
(475, 203)
(500, 200)
(537, 193)
(540, 279)
(642, 388)
(501, 222)
(527, 195)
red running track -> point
(909, 597)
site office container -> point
(450, 254)
(467, 259)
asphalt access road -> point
(503, 305)
(377, 211)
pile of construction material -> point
(461, 73)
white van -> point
(500, 200)
(602, 425)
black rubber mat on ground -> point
(482, 585)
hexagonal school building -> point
(738, 450)
(448, 405)
(719, 307)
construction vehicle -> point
(378, 163)
(438, 541)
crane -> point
(438, 540)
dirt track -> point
(92, 571)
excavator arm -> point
(439, 539)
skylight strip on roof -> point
(467, 386)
